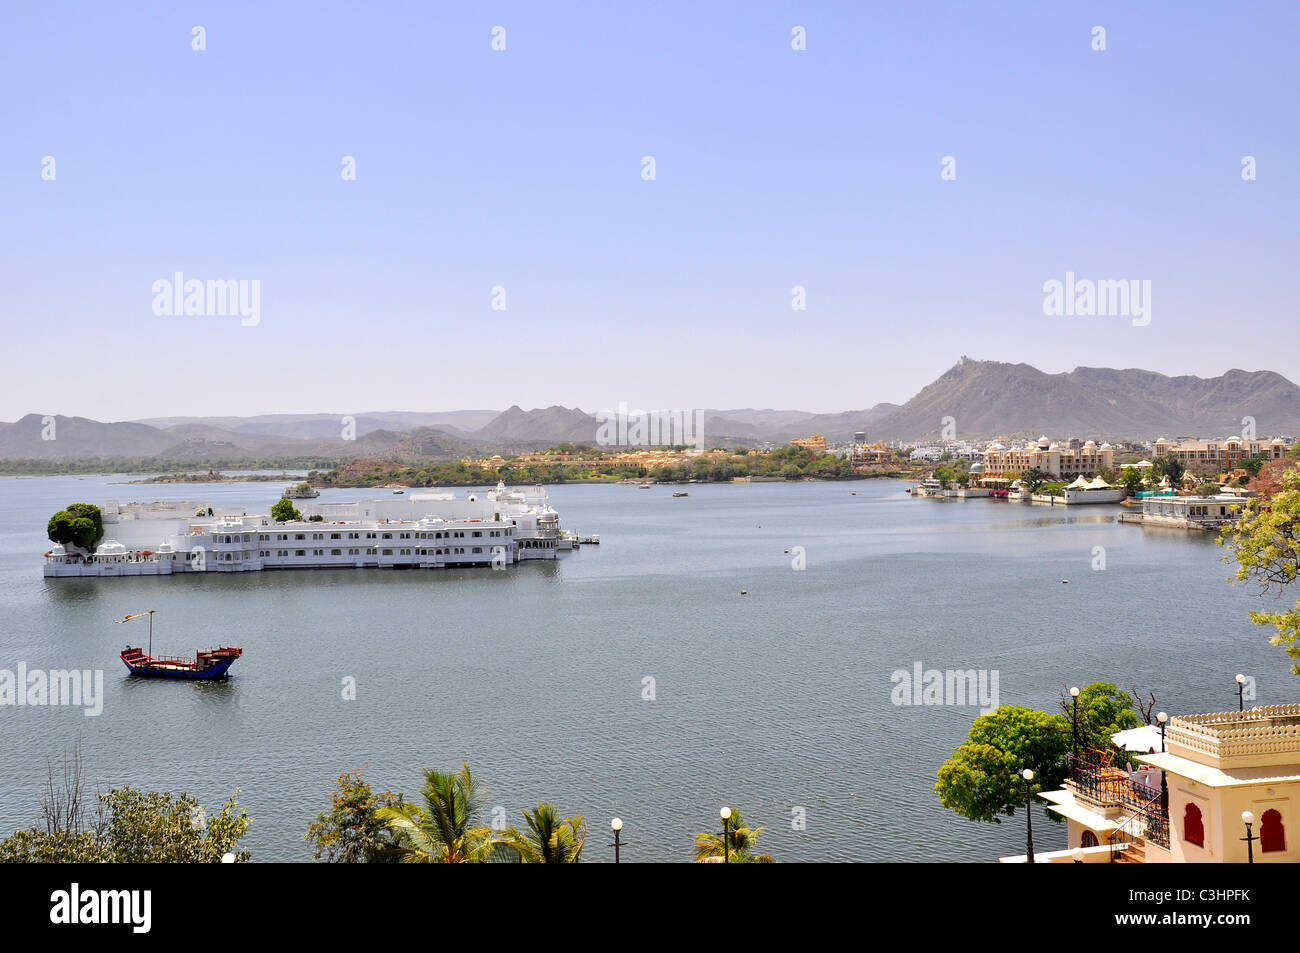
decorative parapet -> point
(1267, 735)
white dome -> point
(1090, 443)
(110, 547)
(1105, 446)
(1053, 448)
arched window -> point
(1193, 829)
(1089, 839)
(1272, 835)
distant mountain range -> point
(984, 399)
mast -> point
(151, 633)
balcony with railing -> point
(1106, 786)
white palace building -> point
(423, 530)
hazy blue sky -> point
(522, 168)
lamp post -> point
(1074, 735)
(1241, 697)
(1029, 814)
(1077, 854)
(725, 814)
(1248, 819)
(616, 825)
(1164, 784)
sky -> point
(502, 241)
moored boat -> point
(207, 663)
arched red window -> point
(1272, 835)
(1193, 828)
(1089, 839)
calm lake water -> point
(770, 701)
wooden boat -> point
(207, 664)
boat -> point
(681, 494)
(593, 540)
(398, 492)
(207, 664)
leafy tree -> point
(549, 839)
(1253, 465)
(79, 524)
(741, 844)
(1035, 478)
(1265, 543)
(1103, 710)
(141, 827)
(982, 779)
(352, 832)
(442, 831)
(1131, 480)
(1208, 488)
(284, 511)
(1168, 465)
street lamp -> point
(1029, 814)
(1077, 854)
(1241, 688)
(1164, 784)
(1074, 735)
(725, 814)
(616, 825)
(1248, 818)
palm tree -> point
(741, 844)
(441, 832)
(549, 839)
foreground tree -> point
(741, 844)
(1265, 543)
(549, 839)
(137, 827)
(353, 832)
(79, 524)
(442, 831)
(1103, 710)
(982, 780)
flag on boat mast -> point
(138, 615)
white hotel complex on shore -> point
(423, 530)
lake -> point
(776, 701)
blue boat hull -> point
(217, 671)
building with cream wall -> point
(1052, 458)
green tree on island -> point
(352, 832)
(79, 524)
(442, 831)
(741, 844)
(1265, 543)
(549, 839)
(284, 511)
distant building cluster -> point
(1224, 454)
(1051, 458)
